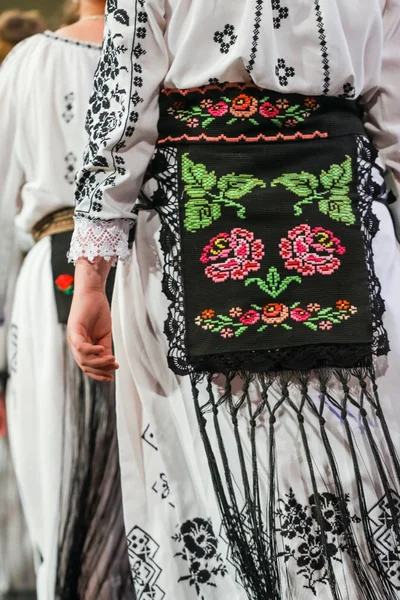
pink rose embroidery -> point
(232, 255)
(268, 110)
(309, 251)
(300, 315)
(219, 109)
(250, 318)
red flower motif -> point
(232, 255)
(300, 315)
(268, 110)
(64, 283)
(208, 314)
(250, 318)
(275, 313)
(244, 106)
(309, 251)
(219, 109)
(342, 305)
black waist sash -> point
(266, 202)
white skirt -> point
(176, 544)
(63, 441)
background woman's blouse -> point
(314, 47)
(45, 85)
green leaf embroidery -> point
(273, 285)
(302, 184)
(263, 328)
(200, 214)
(338, 175)
(324, 312)
(287, 327)
(208, 121)
(241, 330)
(195, 175)
(205, 201)
(339, 208)
(235, 186)
(311, 325)
(331, 191)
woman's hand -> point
(89, 324)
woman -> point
(257, 410)
(61, 426)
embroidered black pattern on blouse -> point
(349, 91)
(256, 35)
(302, 535)
(281, 13)
(199, 549)
(226, 38)
(142, 552)
(161, 488)
(112, 106)
(148, 437)
(383, 532)
(283, 72)
(323, 47)
(68, 113)
(71, 162)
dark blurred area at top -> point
(17, 24)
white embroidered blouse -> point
(313, 47)
(45, 85)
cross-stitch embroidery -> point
(275, 314)
(232, 256)
(308, 251)
(243, 107)
(331, 190)
(207, 194)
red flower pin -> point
(65, 283)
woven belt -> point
(59, 221)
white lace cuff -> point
(107, 239)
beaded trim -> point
(60, 38)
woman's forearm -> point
(91, 275)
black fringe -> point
(252, 532)
(92, 553)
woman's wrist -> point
(91, 276)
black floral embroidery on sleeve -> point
(110, 105)
(283, 72)
(199, 548)
(226, 38)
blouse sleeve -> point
(383, 109)
(11, 180)
(122, 127)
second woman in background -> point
(62, 427)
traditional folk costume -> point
(255, 312)
(62, 427)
